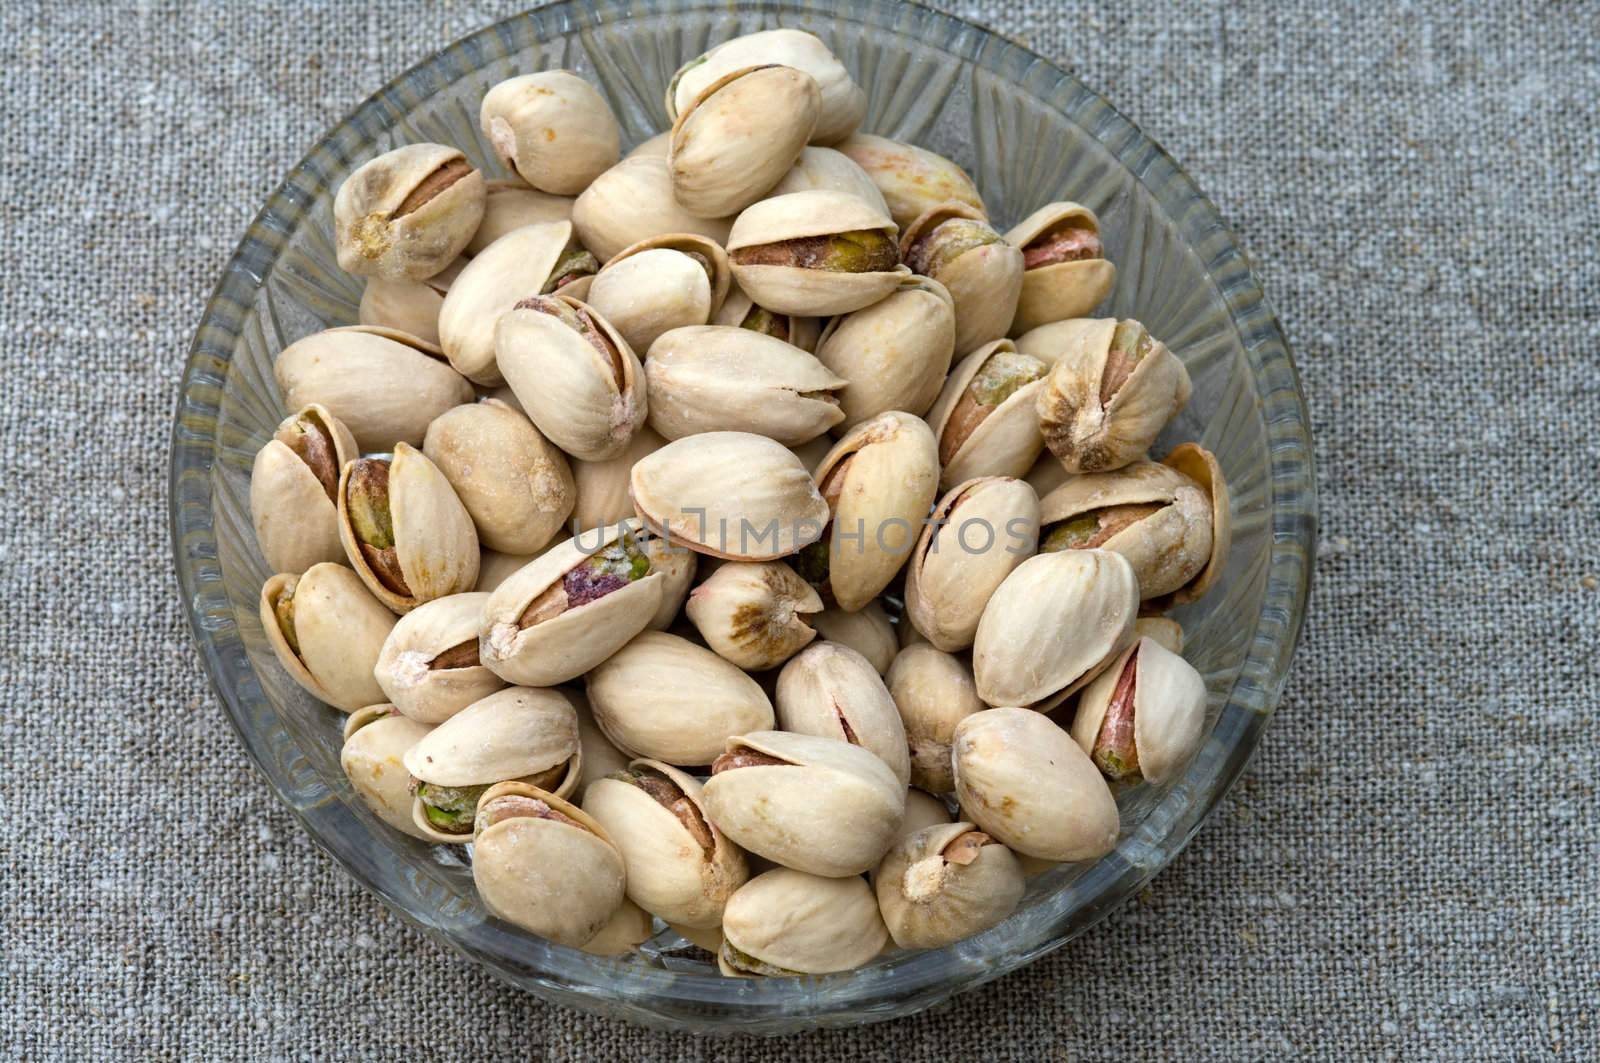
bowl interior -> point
(1028, 134)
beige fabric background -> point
(1408, 869)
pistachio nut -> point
(1112, 389)
(842, 101)
(570, 608)
(1163, 630)
(819, 805)
(545, 865)
(728, 494)
(429, 668)
(1201, 467)
(661, 283)
(933, 691)
(574, 374)
(868, 631)
(293, 486)
(796, 331)
(711, 378)
(408, 213)
(677, 566)
(1142, 719)
(404, 530)
(1024, 781)
(893, 354)
(786, 923)
(375, 738)
(520, 733)
(739, 135)
(633, 201)
(657, 145)
(831, 691)
(754, 613)
(385, 386)
(407, 306)
(830, 171)
(814, 253)
(979, 532)
(515, 485)
(511, 205)
(954, 244)
(985, 416)
(946, 883)
(494, 568)
(680, 866)
(1052, 625)
(603, 485)
(663, 697)
(629, 927)
(922, 810)
(327, 632)
(553, 128)
(1067, 273)
(911, 179)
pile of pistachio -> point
(684, 533)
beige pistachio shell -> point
(407, 671)
(1052, 625)
(1025, 782)
(677, 565)
(812, 451)
(1169, 712)
(1061, 290)
(406, 306)
(729, 494)
(978, 534)
(830, 809)
(603, 485)
(906, 634)
(1163, 630)
(831, 691)
(569, 643)
(553, 128)
(831, 171)
(893, 354)
(1202, 468)
(739, 136)
(933, 691)
(600, 757)
(911, 179)
(340, 628)
(984, 282)
(809, 292)
(664, 697)
(559, 881)
(515, 485)
(1006, 442)
(511, 205)
(633, 201)
(375, 739)
(657, 285)
(868, 631)
(754, 614)
(506, 735)
(629, 927)
(842, 101)
(657, 145)
(680, 866)
(494, 568)
(789, 921)
(408, 213)
(922, 810)
(296, 523)
(1047, 473)
(946, 883)
(801, 332)
(714, 378)
(383, 385)
(707, 938)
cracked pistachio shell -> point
(830, 171)
(911, 179)
(552, 128)
(884, 474)
(633, 201)
(561, 881)
(946, 883)
(1052, 625)
(570, 642)
(296, 522)
(662, 283)
(408, 213)
(1202, 468)
(600, 757)
(680, 866)
(922, 810)
(831, 691)
(677, 565)
(1005, 442)
(1169, 709)
(754, 613)
(830, 809)
(603, 485)
(511, 205)
(933, 691)
(375, 739)
(406, 306)
(796, 331)
(807, 291)
(657, 145)
(979, 532)
(408, 669)
(1061, 290)
(714, 378)
(586, 402)
(729, 494)
(842, 103)
(739, 136)
(1025, 782)
(893, 354)
(1164, 630)
(340, 628)
(1084, 432)
(515, 485)
(790, 921)
(386, 386)
(868, 631)
(984, 282)
(664, 697)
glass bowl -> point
(1028, 133)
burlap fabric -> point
(1407, 870)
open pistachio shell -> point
(796, 331)
(553, 128)
(293, 484)
(754, 613)
(954, 244)
(1143, 718)
(785, 923)
(1202, 468)
(677, 565)
(375, 739)
(985, 416)
(842, 103)
(830, 171)
(603, 485)
(911, 179)
(933, 691)
(662, 283)
(821, 228)
(633, 201)
(739, 136)
(408, 306)
(327, 631)
(946, 883)
(868, 631)
(408, 213)
(429, 667)
(1164, 630)
(831, 691)
(893, 354)
(1067, 273)
(511, 205)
